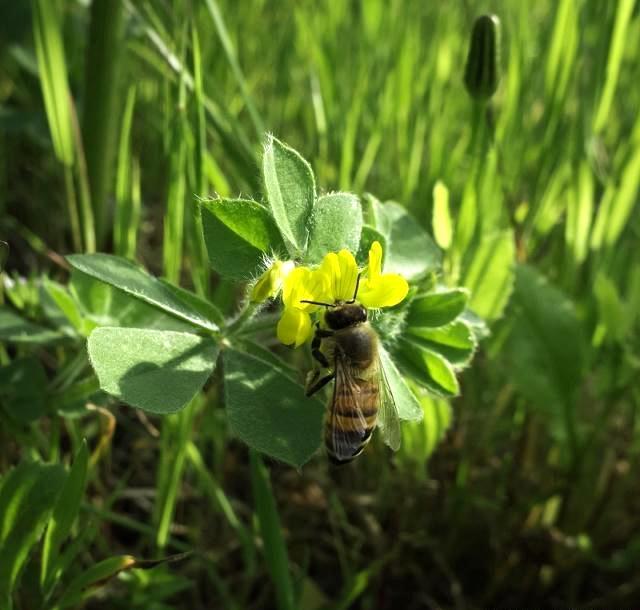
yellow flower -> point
(270, 282)
(302, 284)
(335, 281)
(375, 289)
(379, 289)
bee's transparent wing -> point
(347, 432)
(388, 418)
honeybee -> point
(349, 350)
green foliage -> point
(238, 233)
(546, 173)
(269, 411)
(22, 389)
(428, 368)
(455, 341)
(64, 513)
(27, 496)
(15, 329)
(291, 191)
(546, 347)
(410, 250)
(130, 278)
(101, 304)
(336, 223)
(271, 532)
(489, 276)
(437, 308)
(158, 371)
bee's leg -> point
(314, 384)
(316, 344)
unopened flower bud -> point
(482, 72)
(270, 282)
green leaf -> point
(27, 495)
(406, 402)
(269, 411)
(437, 420)
(336, 223)
(65, 511)
(455, 342)
(545, 348)
(23, 385)
(65, 303)
(489, 276)
(238, 234)
(291, 191)
(410, 250)
(368, 236)
(206, 309)
(133, 280)
(104, 305)
(612, 313)
(375, 215)
(437, 308)
(158, 371)
(442, 227)
(427, 368)
(14, 329)
(420, 440)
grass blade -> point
(271, 530)
(223, 34)
(100, 118)
(65, 511)
(125, 225)
(614, 61)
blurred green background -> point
(523, 492)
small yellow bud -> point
(270, 282)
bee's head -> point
(345, 315)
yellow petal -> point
(330, 267)
(317, 288)
(293, 286)
(304, 284)
(294, 327)
(348, 276)
(375, 261)
(388, 290)
(342, 272)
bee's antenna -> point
(318, 303)
(355, 292)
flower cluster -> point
(334, 281)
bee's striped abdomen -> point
(351, 419)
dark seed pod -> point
(482, 72)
